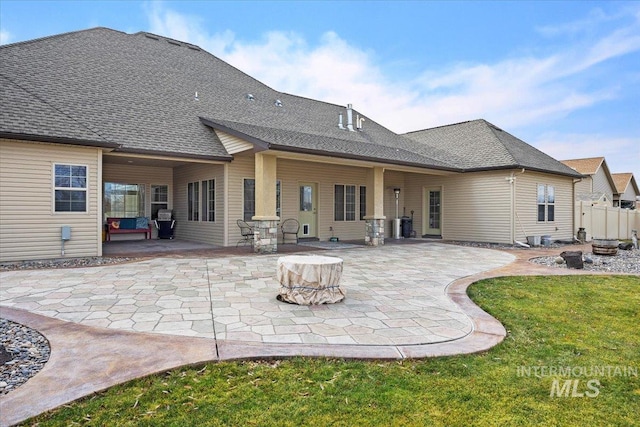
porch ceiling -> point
(354, 162)
(149, 160)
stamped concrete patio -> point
(110, 324)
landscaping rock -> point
(559, 260)
(573, 259)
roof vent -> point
(359, 122)
(350, 117)
(278, 103)
(250, 97)
(340, 125)
(196, 97)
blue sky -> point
(562, 76)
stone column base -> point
(265, 236)
(374, 232)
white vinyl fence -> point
(604, 222)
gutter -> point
(59, 140)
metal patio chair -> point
(247, 233)
(290, 226)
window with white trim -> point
(159, 199)
(123, 200)
(70, 188)
(344, 202)
(546, 203)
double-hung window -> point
(70, 188)
(159, 199)
(123, 200)
(344, 203)
(546, 203)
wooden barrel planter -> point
(604, 247)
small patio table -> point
(310, 279)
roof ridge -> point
(444, 126)
(54, 36)
(64, 113)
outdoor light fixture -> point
(396, 221)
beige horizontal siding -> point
(29, 229)
(199, 231)
(326, 176)
(240, 168)
(527, 206)
(474, 206)
(232, 143)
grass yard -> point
(580, 322)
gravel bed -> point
(27, 350)
(623, 262)
(62, 263)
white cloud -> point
(5, 37)
(513, 92)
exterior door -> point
(433, 212)
(308, 213)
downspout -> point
(226, 206)
(99, 197)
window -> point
(70, 188)
(249, 197)
(193, 201)
(363, 202)
(344, 203)
(123, 200)
(159, 199)
(209, 200)
(546, 203)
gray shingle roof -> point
(137, 92)
(479, 145)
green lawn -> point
(578, 322)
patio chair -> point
(290, 226)
(247, 233)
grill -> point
(165, 224)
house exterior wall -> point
(601, 185)
(526, 207)
(291, 173)
(478, 206)
(475, 206)
(141, 175)
(629, 194)
(585, 186)
(211, 232)
(29, 227)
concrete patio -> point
(110, 324)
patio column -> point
(375, 219)
(265, 219)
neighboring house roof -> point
(587, 166)
(137, 93)
(622, 182)
(590, 166)
(478, 145)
